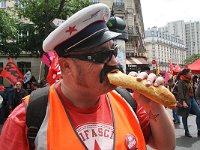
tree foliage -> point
(192, 58)
(41, 13)
(34, 23)
(8, 33)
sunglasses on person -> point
(100, 57)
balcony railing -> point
(132, 31)
(118, 6)
(135, 54)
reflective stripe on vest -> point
(57, 133)
(125, 123)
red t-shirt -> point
(94, 125)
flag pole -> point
(39, 78)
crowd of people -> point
(186, 88)
(12, 96)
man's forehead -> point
(106, 46)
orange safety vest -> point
(58, 134)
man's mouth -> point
(108, 69)
(115, 70)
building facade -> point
(192, 31)
(130, 11)
(164, 48)
(189, 32)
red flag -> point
(54, 70)
(2, 88)
(177, 68)
(11, 72)
(167, 77)
(47, 58)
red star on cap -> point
(71, 29)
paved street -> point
(182, 142)
(185, 143)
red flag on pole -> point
(177, 68)
(167, 77)
(54, 70)
(11, 72)
(171, 68)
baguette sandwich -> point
(158, 94)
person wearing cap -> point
(83, 110)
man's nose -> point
(113, 61)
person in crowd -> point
(27, 85)
(83, 110)
(6, 96)
(174, 89)
(34, 86)
(15, 95)
(194, 84)
(2, 104)
(43, 83)
(186, 97)
(197, 93)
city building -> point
(189, 32)
(176, 28)
(130, 11)
(192, 31)
(163, 48)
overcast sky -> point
(160, 12)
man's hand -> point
(151, 79)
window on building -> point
(3, 4)
(129, 44)
(1, 68)
(119, 1)
(94, 1)
(24, 67)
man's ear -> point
(64, 64)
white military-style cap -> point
(83, 30)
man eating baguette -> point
(83, 109)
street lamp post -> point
(117, 24)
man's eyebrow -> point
(105, 47)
